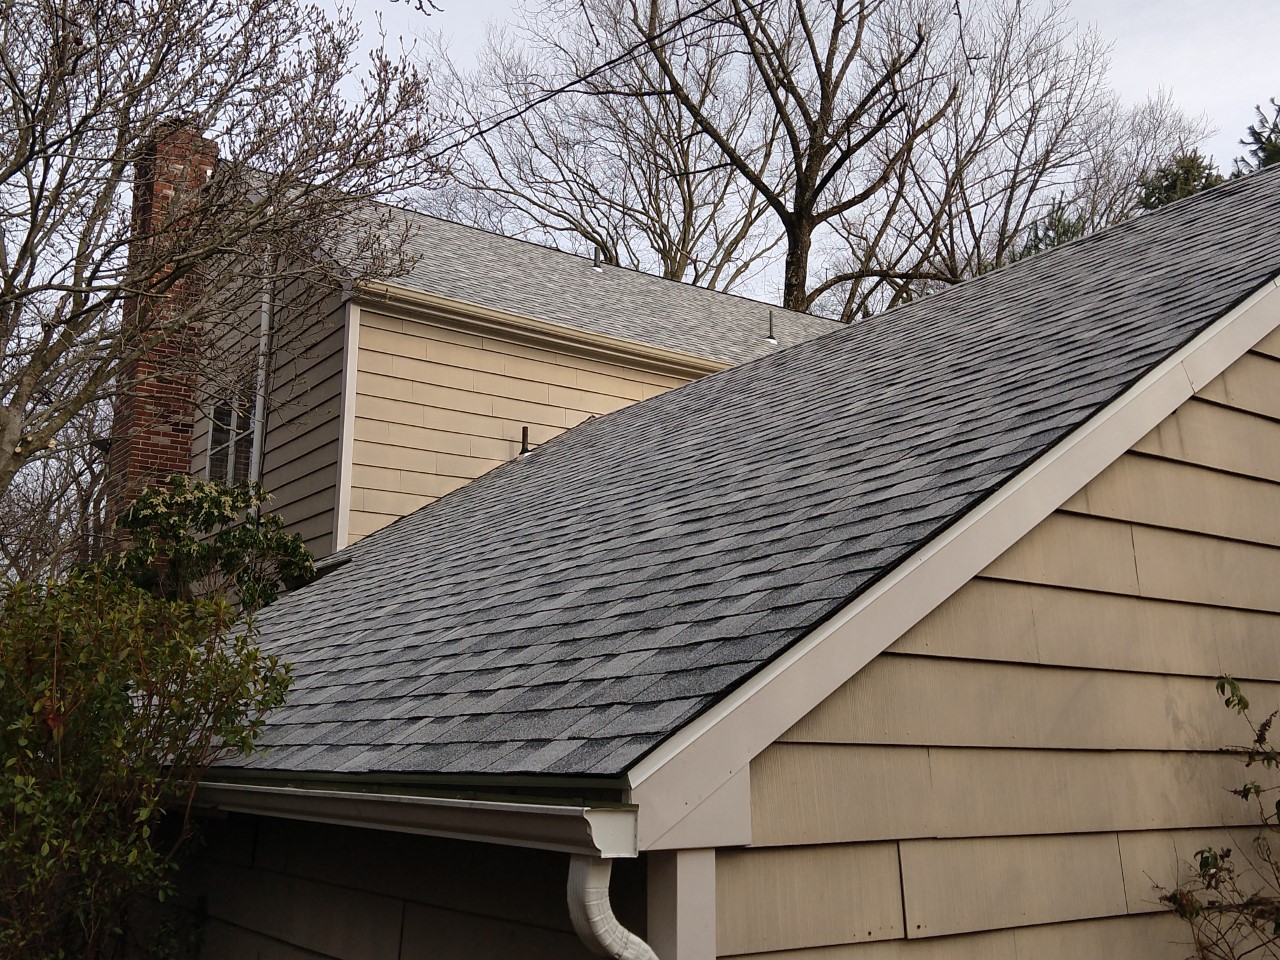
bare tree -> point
(895, 145)
(87, 90)
(1034, 131)
(53, 514)
(604, 164)
(1125, 144)
(852, 83)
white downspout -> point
(592, 914)
(262, 386)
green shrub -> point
(119, 686)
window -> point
(231, 435)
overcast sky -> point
(1218, 57)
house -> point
(897, 643)
(365, 403)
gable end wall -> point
(436, 407)
(1039, 750)
(300, 446)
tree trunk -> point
(795, 277)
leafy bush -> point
(119, 686)
(1233, 908)
(201, 538)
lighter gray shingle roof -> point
(572, 609)
(500, 273)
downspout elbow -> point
(592, 914)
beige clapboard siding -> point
(432, 934)
(308, 461)
(1088, 553)
(806, 896)
(1157, 937)
(1179, 496)
(300, 449)
(986, 704)
(330, 920)
(1031, 623)
(437, 407)
(300, 456)
(1042, 749)
(293, 889)
(308, 514)
(1155, 861)
(963, 886)
(967, 894)
(1218, 436)
(1269, 345)
(315, 531)
(449, 876)
(1083, 553)
(834, 793)
(1252, 383)
(221, 939)
(304, 367)
(303, 438)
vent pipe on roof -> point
(771, 338)
(524, 441)
(597, 263)
(592, 914)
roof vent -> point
(598, 263)
(771, 338)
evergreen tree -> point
(1060, 224)
(1182, 175)
(1262, 141)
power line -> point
(489, 124)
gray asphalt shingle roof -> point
(493, 271)
(568, 611)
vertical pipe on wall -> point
(266, 317)
(592, 913)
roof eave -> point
(487, 321)
(604, 831)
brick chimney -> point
(151, 429)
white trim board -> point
(420, 307)
(682, 904)
(605, 832)
(674, 780)
(347, 427)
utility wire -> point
(491, 123)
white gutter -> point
(595, 836)
(596, 832)
(592, 914)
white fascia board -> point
(605, 832)
(670, 783)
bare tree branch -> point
(86, 90)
